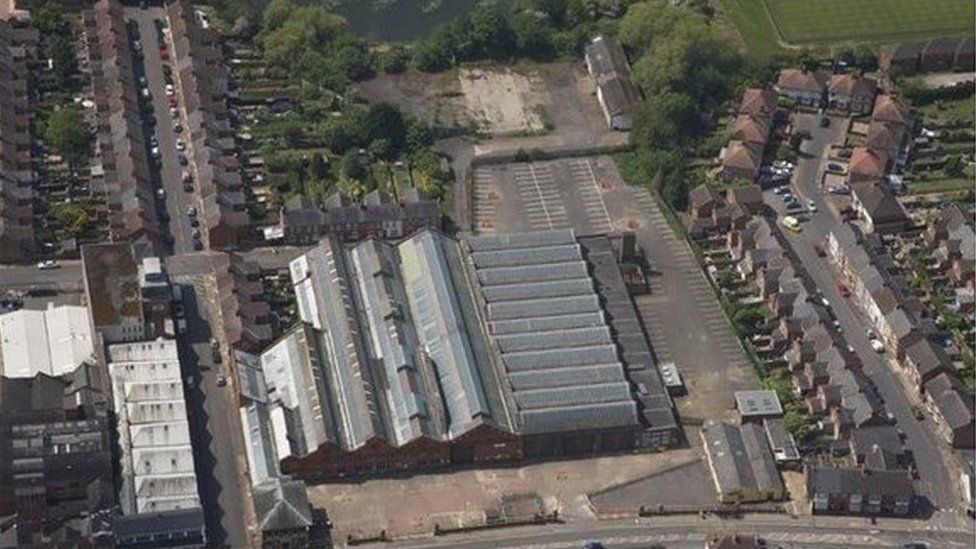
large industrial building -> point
(433, 351)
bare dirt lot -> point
(529, 105)
(504, 102)
(406, 507)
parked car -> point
(818, 249)
(876, 345)
(146, 93)
(181, 326)
(824, 122)
(197, 244)
(811, 205)
(161, 193)
(180, 145)
(177, 127)
(843, 289)
(183, 160)
(48, 264)
(838, 190)
(792, 223)
(782, 189)
(191, 211)
(143, 82)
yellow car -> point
(792, 223)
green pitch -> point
(820, 21)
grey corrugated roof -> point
(392, 339)
(740, 458)
(537, 290)
(526, 239)
(541, 305)
(536, 308)
(532, 273)
(534, 341)
(576, 356)
(561, 376)
(444, 328)
(549, 323)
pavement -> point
(938, 477)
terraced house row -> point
(122, 161)
(203, 84)
(16, 176)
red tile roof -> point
(868, 162)
(795, 79)
(888, 108)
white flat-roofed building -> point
(158, 472)
(54, 341)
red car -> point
(163, 54)
(172, 102)
(844, 290)
(820, 251)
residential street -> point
(938, 479)
(177, 200)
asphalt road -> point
(215, 426)
(67, 276)
(169, 174)
(937, 479)
(684, 531)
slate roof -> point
(879, 203)
(830, 480)
(281, 504)
(612, 73)
(953, 400)
(740, 458)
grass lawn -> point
(953, 113)
(754, 25)
(820, 21)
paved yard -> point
(556, 194)
(411, 506)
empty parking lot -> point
(556, 194)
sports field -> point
(818, 21)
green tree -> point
(395, 61)
(491, 32)
(533, 38)
(385, 121)
(68, 133)
(61, 51)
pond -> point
(400, 20)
